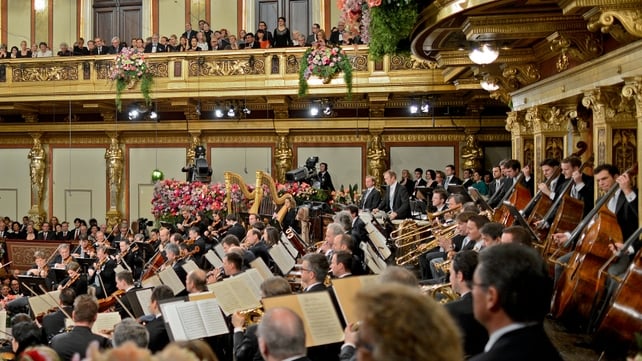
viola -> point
(71, 281)
(106, 303)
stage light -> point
(314, 110)
(425, 106)
(414, 108)
(153, 115)
(134, 114)
(231, 112)
(484, 54)
(218, 112)
(246, 110)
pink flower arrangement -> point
(130, 65)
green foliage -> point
(390, 24)
(325, 63)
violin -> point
(108, 302)
(42, 315)
(71, 281)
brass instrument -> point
(435, 216)
(408, 230)
(444, 266)
(443, 292)
(412, 256)
(252, 316)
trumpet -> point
(444, 266)
(252, 316)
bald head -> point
(281, 334)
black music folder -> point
(34, 283)
(455, 188)
(519, 219)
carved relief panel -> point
(624, 148)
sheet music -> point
(283, 260)
(152, 281)
(345, 290)
(255, 281)
(190, 266)
(319, 312)
(260, 266)
(173, 321)
(288, 246)
(214, 320)
(144, 298)
(169, 278)
(379, 240)
(104, 321)
(119, 268)
(3, 323)
(370, 259)
(201, 296)
(213, 259)
(191, 321)
(219, 250)
(235, 294)
(43, 303)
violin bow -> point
(55, 302)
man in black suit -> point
(65, 234)
(419, 181)
(257, 245)
(451, 178)
(155, 46)
(125, 282)
(102, 274)
(496, 183)
(189, 33)
(250, 43)
(511, 170)
(282, 336)
(396, 200)
(116, 46)
(312, 38)
(77, 340)
(100, 48)
(511, 295)
(371, 196)
(314, 268)
(46, 234)
(475, 335)
(235, 227)
(158, 337)
(338, 34)
(468, 178)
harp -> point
(269, 200)
(234, 206)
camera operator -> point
(324, 178)
(198, 171)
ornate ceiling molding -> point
(630, 19)
(579, 45)
(526, 26)
(610, 105)
(517, 123)
(549, 118)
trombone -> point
(436, 215)
(413, 255)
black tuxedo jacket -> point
(189, 34)
(373, 200)
(160, 48)
(107, 275)
(469, 183)
(261, 249)
(54, 323)
(492, 187)
(76, 341)
(525, 344)
(158, 337)
(246, 345)
(113, 50)
(255, 45)
(496, 198)
(317, 288)
(65, 236)
(51, 236)
(587, 193)
(401, 203)
(453, 180)
(627, 218)
(237, 230)
(326, 181)
(475, 335)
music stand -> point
(85, 263)
(455, 188)
(135, 306)
(32, 282)
(478, 199)
(521, 221)
(61, 273)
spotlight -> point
(218, 112)
(246, 110)
(314, 110)
(231, 112)
(327, 110)
(425, 107)
(414, 108)
(134, 114)
(198, 109)
(153, 115)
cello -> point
(519, 196)
(569, 213)
(624, 319)
(578, 285)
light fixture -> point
(327, 109)
(153, 115)
(489, 83)
(134, 114)
(425, 106)
(231, 113)
(314, 109)
(484, 54)
(414, 108)
(246, 110)
(218, 112)
(142, 112)
(39, 5)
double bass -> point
(519, 196)
(579, 284)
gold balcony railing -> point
(209, 74)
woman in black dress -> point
(282, 38)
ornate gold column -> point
(282, 157)
(521, 130)
(377, 156)
(549, 133)
(115, 165)
(614, 123)
(633, 90)
(38, 170)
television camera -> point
(306, 173)
(200, 170)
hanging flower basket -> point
(324, 63)
(129, 68)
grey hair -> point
(130, 330)
(282, 331)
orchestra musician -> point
(123, 233)
(41, 269)
(74, 280)
(101, 275)
(174, 261)
(510, 169)
(128, 255)
(84, 249)
(158, 337)
(187, 220)
(196, 246)
(396, 200)
(124, 282)
(236, 228)
(62, 258)
(54, 323)
(371, 196)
